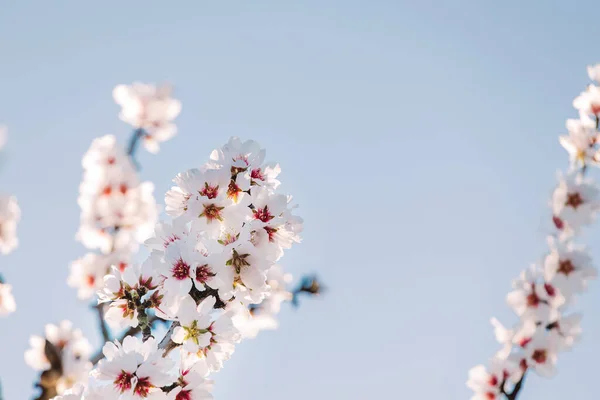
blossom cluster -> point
(118, 212)
(208, 271)
(213, 272)
(71, 350)
(542, 295)
(10, 213)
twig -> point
(310, 285)
(133, 145)
(103, 326)
(516, 390)
(166, 343)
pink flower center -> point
(203, 273)
(170, 239)
(493, 381)
(263, 214)
(110, 160)
(209, 191)
(257, 174)
(90, 280)
(184, 395)
(123, 381)
(180, 270)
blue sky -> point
(420, 139)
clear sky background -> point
(420, 139)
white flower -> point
(520, 335)
(487, 382)
(580, 141)
(588, 102)
(87, 273)
(166, 234)
(574, 202)
(135, 369)
(594, 72)
(117, 211)
(74, 350)
(177, 266)
(10, 213)
(177, 198)
(567, 331)
(149, 108)
(266, 176)
(120, 287)
(106, 157)
(236, 153)
(7, 301)
(535, 299)
(568, 267)
(195, 324)
(191, 386)
(541, 354)
(209, 341)
(243, 268)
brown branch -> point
(516, 390)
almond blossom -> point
(210, 275)
(134, 368)
(150, 109)
(541, 296)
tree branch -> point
(133, 145)
(103, 327)
(310, 285)
(516, 390)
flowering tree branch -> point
(541, 296)
(212, 273)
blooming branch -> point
(541, 296)
(212, 273)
